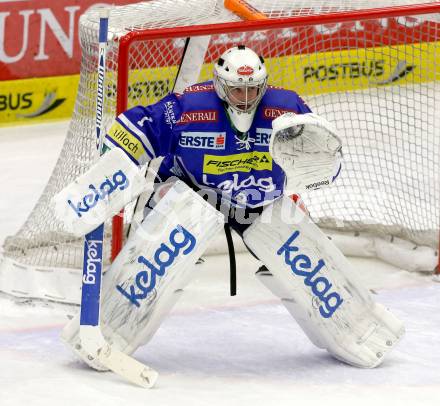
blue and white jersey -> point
(193, 133)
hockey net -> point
(372, 72)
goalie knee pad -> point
(318, 287)
(151, 271)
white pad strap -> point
(101, 192)
(319, 287)
(151, 271)
(308, 149)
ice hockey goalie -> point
(233, 149)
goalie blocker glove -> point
(99, 193)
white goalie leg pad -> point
(319, 287)
(151, 271)
(294, 308)
(99, 193)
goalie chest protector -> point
(192, 131)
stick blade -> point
(127, 367)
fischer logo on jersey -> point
(274, 112)
(105, 189)
(93, 261)
(254, 160)
(245, 70)
(180, 239)
(199, 116)
(202, 140)
(301, 265)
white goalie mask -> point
(240, 79)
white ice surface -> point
(213, 349)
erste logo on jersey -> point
(262, 136)
(199, 116)
(254, 160)
(274, 112)
(245, 70)
(202, 140)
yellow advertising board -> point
(28, 101)
(356, 69)
(40, 99)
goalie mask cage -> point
(374, 73)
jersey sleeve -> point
(146, 132)
(303, 108)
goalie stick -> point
(91, 336)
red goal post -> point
(299, 24)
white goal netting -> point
(377, 79)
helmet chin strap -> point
(239, 120)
